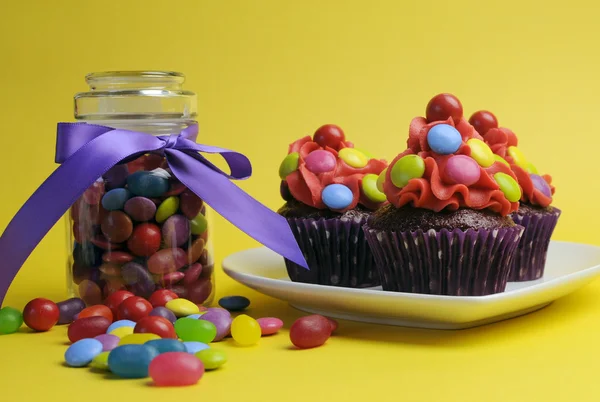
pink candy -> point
(176, 369)
(269, 325)
(320, 161)
(462, 169)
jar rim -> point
(134, 73)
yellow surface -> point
(268, 72)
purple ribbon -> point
(87, 151)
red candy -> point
(329, 135)
(333, 323)
(134, 309)
(155, 325)
(99, 310)
(198, 291)
(310, 331)
(162, 297)
(442, 106)
(117, 257)
(483, 121)
(115, 299)
(145, 240)
(175, 369)
(89, 327)
(41, 314)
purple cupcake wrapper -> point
(530, 258)
(456, 262)
(336, 252)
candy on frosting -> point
(450, 181)
(310, 182)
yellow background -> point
(268, 72)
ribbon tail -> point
(235, 205)
(60, 190)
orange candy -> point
(99, 310)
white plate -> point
(569, 266)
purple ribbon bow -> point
(87, 151)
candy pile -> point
(139, 229)
(165, 337)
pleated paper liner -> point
(336, 252)
(530, 257)
(455, 262)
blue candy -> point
(337, 196)
(196, 316)
(167, 345)
(234, 303)
(131, 361)
(444, 139)
(119, 324)
(194, 347)
(82, 352)
(115, 199)
(148, 184)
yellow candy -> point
(100, 362)
(531, 168)
(137, 339)
(381, 180)
(501, 159)
(509, 186)
(182, 307)
(369, 188)
(481, 152)
(245, 330)
(518, 157)
(407, 168)
(353, 157)
(122, 331)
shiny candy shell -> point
(541, 184)
(137, 339)
(190, 204)
(500, 159)
(167, 260)
(212, 358)
(353, 157)
(148, 184)
(145, 240)
(245, 330)
(518, 157)
(167, 208)
(11, 320)
(337, 196)
(221, 321)
(163, 312)
(122, 332)
(182, 307)
(269, 325)
(117, 226)
(381, 180)
(100, 362)
(444, 139)
(369, 188)
(82, 352)
(199, 224)
(320, 161)
(115, 199)
(190, 329)
(119, 324)
(131, 361)
(461, 169)
(407, 168)
(140, 209)
(176, 231)
(109, 341)
(508, 186)
(176, 369)
(289, 165)
(89, 327)
(481, 152)
(234, 303)
(167, 345)
(195, 347)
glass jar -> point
(137, 227)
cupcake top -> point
(536, 189)
(327, 172)
(448, 166)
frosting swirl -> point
(317, 166)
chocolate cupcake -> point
(535, 212)
(330, 189)
(446, 230)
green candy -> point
(212, 358)
(199, 224)
(167, 208)
(508, 186)
(381, 180)
(100, 362)
(531, 168)
(407, 168)
(369, 187)
(11, 320)
(289, 165)
(191, 329)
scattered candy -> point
(289, 165)
(541, 184)
(155, 325)
(115, 199)
(134, 309)
(96, 311)
(518, 157)
(131, 361)
(353, 157)
(189, 329)
(82, 352)
(462, 169)
(444, 139)
(137, 339)
(182, 307)
(119, 324)
(508, 186)
(194, 347)
(481, 152)
(310, 331)
(11, 320)
(167, 345)
(68, 309)
(212, 358)
(108, 341)
(245, 330)
(442, 107)
(100, 362)
(221, 321)
(164, 313)
(337, 196)
(167, 208)
(329, 135)
(89, 327)
(269, 325)
(369, 187)
(407, 168)
(176, 369)
(234, 303)
(320, 161)
(41, 314)
(161, 297)
(122, 332)
(483, 121)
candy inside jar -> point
(138, 228)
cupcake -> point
(535, 213)
(447, 228)
(330, 189)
